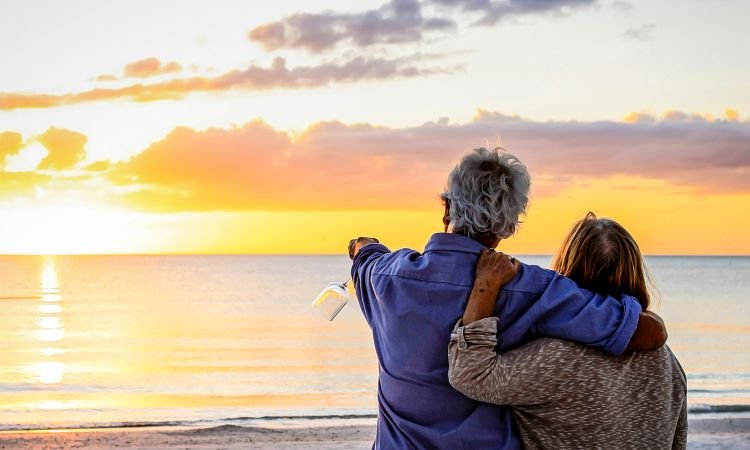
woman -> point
(563, 394)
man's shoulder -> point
(411, 265)
(398, 257)
(531, 279)
(393, 262)
(402, 259)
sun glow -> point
(68, 228)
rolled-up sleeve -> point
(474, 367)
(570, 312)
(362, 266)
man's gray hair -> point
(486, 193)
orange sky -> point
(679, 182)
(268, 135)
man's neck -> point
(487, 241)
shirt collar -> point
(453, 242)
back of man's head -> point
(486, 194)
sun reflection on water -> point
(50, 322)
(50, 372)
(50, 334)
(51, 329)
(51, 351)
(50, 287)
(50, 309)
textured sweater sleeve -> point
(524, 376)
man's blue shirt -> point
(411, 301)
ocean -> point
(122, 341)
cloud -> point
(150, 67)
(642, 33)
(21, 183)
(635, 117)
(672, 115)
(337, 166)
(623, 7)
(98, 166)
(106, 77)
(493, 12)
(731, 114)
(52, 176)
(332, 165)
(253, 78)
(395, 22)
(10, 144)
(65, 149)
(144, 68)
(688, 150)
(256, 167)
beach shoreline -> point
(704, 433)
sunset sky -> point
(292, 126)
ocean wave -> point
(20, 297)
(94, 426)
(183, 423)
(308, 417)
(718, 391)
(252, 421)
(712, 409)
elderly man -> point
(410, 300)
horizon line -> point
(686, 255)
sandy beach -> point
(704, 434)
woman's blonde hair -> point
(600, 255)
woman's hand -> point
(494, 270)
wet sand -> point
(719, 434)
(704, 434)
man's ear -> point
(447, 215)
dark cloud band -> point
(336, 166)
(397, 21)
(254, 78)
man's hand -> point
(357, 243)
(650, 334)
(494, 270)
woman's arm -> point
(476, 370)
(494, 270)
(533, 374)
(524, 376)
